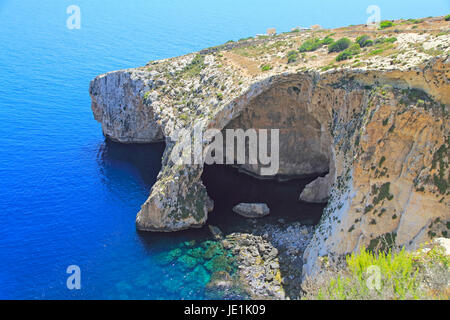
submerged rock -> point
(187, 262)
(224, 286)
(196, 253)
(199, 275)
(252, 210)
(165, 258)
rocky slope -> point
(377, 123)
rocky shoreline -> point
(269, 259)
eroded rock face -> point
(175, 203)
(382, 134)
(118, 103)
(389, 187)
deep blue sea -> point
(67, 196)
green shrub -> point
(384, 193)
(266, 67)
(245, 39)
(389, 40)
(183, 117)
(376, 51)
(385, 40)
(447, 17)
(339, 45)
(195, 67)
(327, 40)
(292, 56)
(310, 45)
(315, 43)
(348, 53)
(415, 21)
(403, 275)
(329, 66)
(354, 49)
(343, 56)
(386, 24)
(439, 158)
(383, 158)
(364, 41)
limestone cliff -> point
(377, 124)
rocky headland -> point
(371, 122)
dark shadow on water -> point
(122, 167)
(133, 168)
(143, 161)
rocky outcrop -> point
(379, 130)
(252, 210)
(259, 268)
(118, 102)
(317, 191)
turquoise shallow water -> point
(67, 196)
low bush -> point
(343, 56)
(385, 40)
(292, 56)
(386, 24)
(339, 45)
(415, 21)
(195, 67)
(348, 53)
(364, 41)
(447, 17)
(310, 45)
(392, 275)
(266, 67)
(327, 40)
(315, 43)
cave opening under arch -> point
(304, 155)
